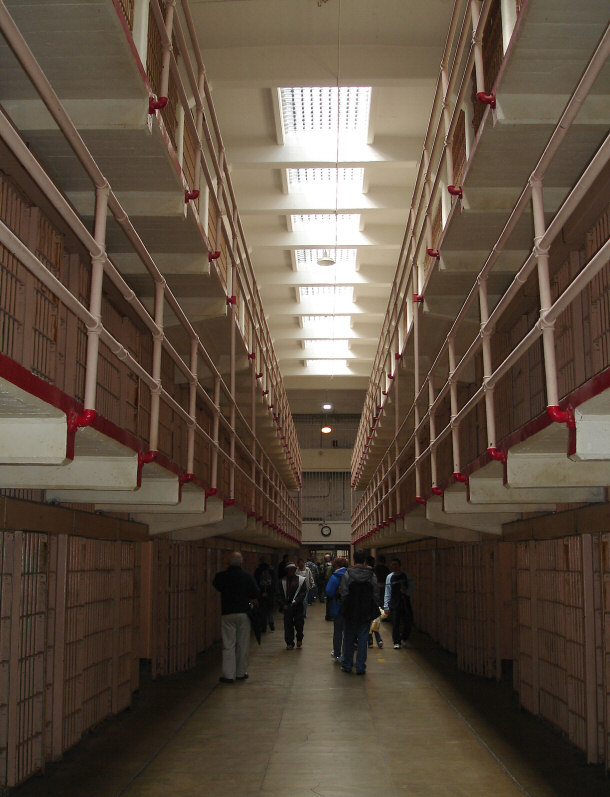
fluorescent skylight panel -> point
(326, 109)
(329, 299)
(305, 179)
(330, 326)
(308, 258)
(326, 348)
(346, 222)
(327, 367)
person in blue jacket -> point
(332, 593)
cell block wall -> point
(544, 604)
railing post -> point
(167, 48)
(475, 13)
(433, 468)
(418, 487)
(455, 429)
(95, 300)
(490, 415)
(447, 125)
(155, 393)
(544, 287)
(215, 430)
(190, 457)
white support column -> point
(140, 28)
(155, 393)
(95, 301)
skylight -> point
(329, 299)
(326, 348)
(346, 222)
(326, 109)
(300, 180)
(329, 326)
(308, 258)
(327, 367)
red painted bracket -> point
(231, 300)
(265, 392)
(420, 499)
(558, 415)
(270, 406)
(210, 491)
(375, 418)
(184, 478)
(147, 458)
(384, 392)
(496, 454)
(390, 376)
(418, 298)
(460, 477)
(379, 407)
(252, 355)
(250, 513)
(434, 253)
(189, 195)
(455, 190)
(155, 105)
(487, 99)
(213, 256)
(259, 375)
(228, 502)
(75, 421)
(437, 491)
(397, 356)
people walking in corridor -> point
(358, 591)
(398, 591)
(292, 591)
(303, 570)
(332, 594)
(237, 588)
(265, 581)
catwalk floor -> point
(300, 726)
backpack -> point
(359, 606)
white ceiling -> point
(253, 47)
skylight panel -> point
(342, 291)
(300, 180)
(329, 299)
(326, 348)
(327, 367)
(308, 258)
(326, 109)
(346, 222)
(327, 326)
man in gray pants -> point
(237, 588)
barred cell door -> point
(23, 622)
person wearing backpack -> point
(332, 593)
(292, 591)
(265, 580)
(359, 592)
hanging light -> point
(326, 259)
(326, 429)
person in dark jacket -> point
(292, 591)
(265, 581)
(359, 592)
(237, 588)
(398, 591)
(332, 593)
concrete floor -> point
(299, 726)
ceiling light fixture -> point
(327, 406)
(326, 429)
(327, 259)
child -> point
(374, 629)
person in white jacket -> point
(305, 572)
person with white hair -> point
(237, 588)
